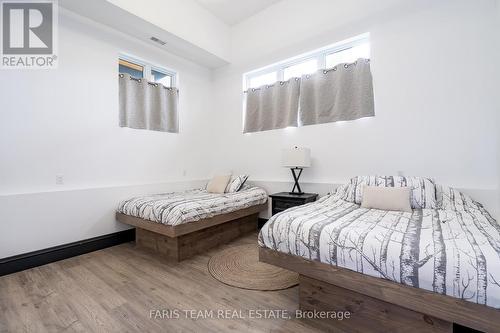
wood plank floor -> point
(113, 290)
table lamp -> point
(296, 159)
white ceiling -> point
(106, 13)
(233, 12)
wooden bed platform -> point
(378, 305)
(182, 241)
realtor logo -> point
(28, 34)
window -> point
(128, 67)
(300, 69)
(261, 80)
(140, 69)
(348, 55)
(162, 77)
(346, 51)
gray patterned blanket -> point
(183, 207)
(452, 248)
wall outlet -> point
(59, 179)
(401, 173)
(184, 172)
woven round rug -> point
(239, 266)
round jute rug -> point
(239, 266)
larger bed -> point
(449, 245)
(178, 225)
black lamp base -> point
(296, 180)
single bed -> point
(448, 248)
(178, 225)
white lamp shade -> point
(296, 158)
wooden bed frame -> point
(182, 241)
(378, 305)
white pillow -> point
(218, 184)
(386, 198)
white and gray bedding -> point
(449, 244)
(189, 206)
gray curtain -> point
(272, 107)
(344, 92)
(146, 105)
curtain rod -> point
(148, 82)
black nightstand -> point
(285, 200)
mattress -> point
(452, 249)
(189, 206)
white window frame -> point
(147, 67)
(319, 54)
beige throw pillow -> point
(387, 198)
(218, 184)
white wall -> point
(65, 121)
(434, 93)
(34, 221)
(435, 75)
(292, 25)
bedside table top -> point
(287, 195)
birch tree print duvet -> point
(449, 244)
(176, 208)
